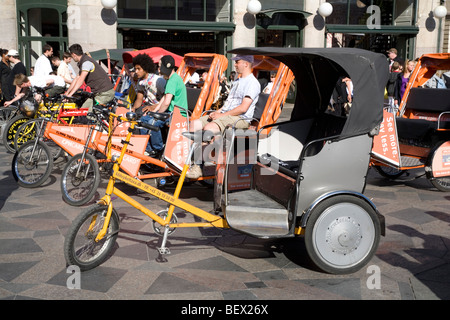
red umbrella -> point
(156, 53)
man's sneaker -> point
(194, 172)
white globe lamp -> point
(440, 12)
(254, 7)
(109, 4)
(325, 9)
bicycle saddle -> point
(159, 116)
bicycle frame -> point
(172, 200)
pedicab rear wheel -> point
(342, 234)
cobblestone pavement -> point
(212, 264)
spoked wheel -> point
(80, 247)
(10, 129)
(342, 234)
(80, 179)
(32, 164)
(6, 114)
(29, 131)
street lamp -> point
(325, 9)
(109, 4)
(440, 11)
(254, 7)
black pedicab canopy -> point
(317, 71)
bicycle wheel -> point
(389, 172)
(80, 247)
(29, 130)
(32, 164)
(80, 179)
(442, 184)
(342, 234)
(6, 114)
(10, 130)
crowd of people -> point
(159, 88)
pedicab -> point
(313, 186)
(203, 94)
(417, 134)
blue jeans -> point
(156, 141)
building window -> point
(185, 10)
(357, 12)
(41, 25)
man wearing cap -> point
(238, 108)
(392, 55)
(174, 95)
(240, 103)
(18, 68)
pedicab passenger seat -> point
(192, 97)
(429, 101)
(260, 105)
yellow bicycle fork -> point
(173, 200)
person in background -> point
(150, 86)
(402, 81)
(18, 68)
(54, 85)
(63, 68)
(5, 71)
(269, 86)
(43, 66)
(93, 75)
(175, 95)
(393, 75)
(393, 57)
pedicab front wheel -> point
(81, 248)
(342, 234)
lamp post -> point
(440, 12)
(254, 7)
(325, 10)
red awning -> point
(155, 53)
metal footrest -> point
(256, 214)
(410, 162)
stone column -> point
(91, 26)
(245, 34)
(8, 25)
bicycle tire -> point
(10, 130)
(6, 114)
(32, 168)
(27, 131)
(77, 191)
(80, 247)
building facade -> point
(182, 26)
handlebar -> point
(106, 113)
(148, 126)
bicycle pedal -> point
(164, 250)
